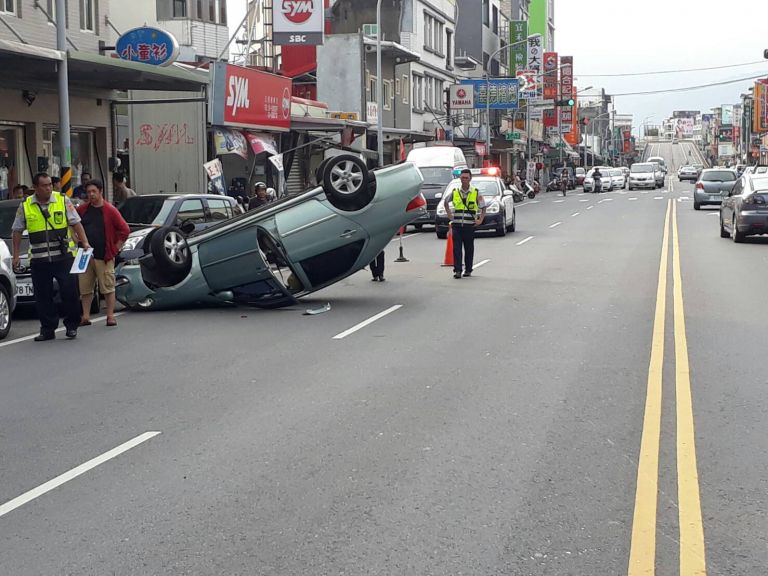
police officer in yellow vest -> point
(465, 208)
(50, 217)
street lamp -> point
(488, 92)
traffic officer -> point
(468, 212)
(50, 217)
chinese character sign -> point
(497, 93)
(550, 76)
(148, 46)
(536, 58)
(518, 32)
(527, 82)
(566, 89)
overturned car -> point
(284, 250)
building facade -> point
(541, 20)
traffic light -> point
(565, 102)
(583, 121)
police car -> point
(499, 203)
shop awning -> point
(312, 124)
(27, 67)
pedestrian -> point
(56, 182)
(377, 267)
(17, 193)
(107, 232)
(121, 191)
(468, 212)
(260, 199)
(80, 192)
(50, 218)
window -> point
(372, 88)
(495, 21)
(486, 10)
(212, 10)
(199, 14)
(397, 86)
(52, 10)
(386, 88)
(222, 11)
(180, 9)
(504, 54)
(219, 209)
(191, 210)
(8, 6)
(418, 88)
(88, 15)
(404, 88)
(433, 33)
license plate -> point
(714, 198)
(25, 290)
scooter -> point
(554, 185)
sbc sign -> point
(298, 22)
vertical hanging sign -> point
(550, 76)
(518, 32)
(566, 92)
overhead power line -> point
(688, 88)
(671, 71)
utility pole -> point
(379, 87)
(65, 144)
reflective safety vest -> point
(49, 239)
(465, 214)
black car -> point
(191, 212)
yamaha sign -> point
(298, 22)
(462, 97)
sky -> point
(626, 36)
(631, 36)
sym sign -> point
(248, 98)
(298, 22)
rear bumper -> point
(707, 199)
(643, 183)
(752, 224)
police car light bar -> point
(487, 171)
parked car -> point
(756, 169)
(660, 161)
(617, 178)
(580, 175)
(606, 183)
(281, 251)
(744, 210)
(499, 204)
(687, 173)
(7, 290)
(146, 213)
(713, 184)
(643, 175)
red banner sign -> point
(550, 118)
(550, 75)
(249, 98)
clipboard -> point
(82, 258)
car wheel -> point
(723, 231)
(441, 234)
(5, 312)
(418, 226)
(737, 236)
(696, 205)
(345, 182)
(170, 250)
(501, 229)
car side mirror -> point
(187, 226)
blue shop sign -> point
(504, 93)
(149, 46)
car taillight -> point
(418, 202)
(699, 186)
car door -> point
(218, 209)
(727, 208)
(321, 240)
(508, 202)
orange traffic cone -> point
(448, 259)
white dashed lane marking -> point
(555, 225)
(525, 240)
(575, 214)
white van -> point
(436, 164)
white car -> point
(606, 182)
(644, 175)
(617, 179)
(7, 290)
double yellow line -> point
(642, 555)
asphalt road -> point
(490, 425)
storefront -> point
(29, 109)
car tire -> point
(501, 229)
(696, 205)
(738, 237)
(723, 232)
(5, 312)
(440, 234)
(170, 251)
(418, 226)
(346, 182)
